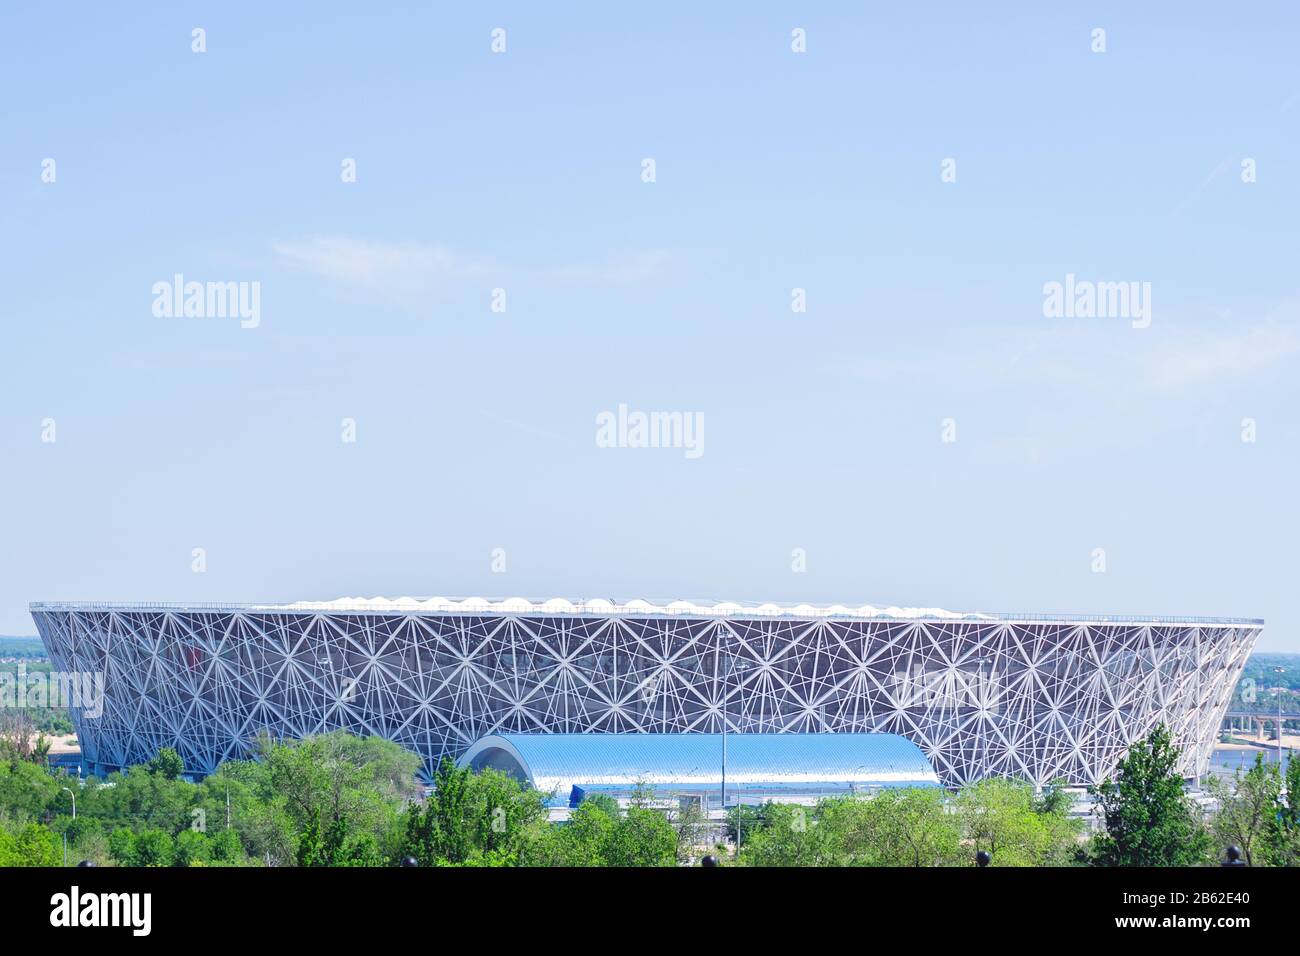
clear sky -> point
(774, 170)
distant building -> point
(1040, 697)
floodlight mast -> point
(731, 666)
(1279, 670)
(722, 797)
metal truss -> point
(1042, 700)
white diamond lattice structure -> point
(1038, 697)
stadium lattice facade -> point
(1038, 697)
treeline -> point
(331, 800)
(915, 827)
(273, 809)
(339, 800)
(49, 721)
(489, 819)
(1150, 820)
(1146, 819)
(22, 648)
(1263, 669)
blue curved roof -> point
(770, 763)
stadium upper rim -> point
(602, 607)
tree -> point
(226, 847)
(76, 830)
(583, 839)
(311, 843)
(441, 830)
(30, 845)
(642, 837)
(26, 790)
(896, 827)
(602, 801)
(351, 787)
(354, 789)
(743, 820)
(1249, 814)
(503, 811)
(137, 798)
(121, 847)
(691, 827)
(154, 848)
(1149, 819)
(90, 845)
(167, 764)
(1286, 849)
(791, 837)
(475, 818)
(1066, 846)
(1054, 800)
(241, 791)
(192, 848)
(1016, 827)
(19, 739)
(41, 750)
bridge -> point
(1244, 721)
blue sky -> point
(774, 170)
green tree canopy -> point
(474, 818)
(896, 827)
(167, 764)
(30, 845)
(1149, 819)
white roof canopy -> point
(518, 605)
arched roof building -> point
(758, 766)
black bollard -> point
(409, 861)
(982, 858)
(87, 863)
(709, 861)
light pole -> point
(722, 796)
(65, 829)
(731, 666)
(1279, 670)
(983, 702)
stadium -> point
(1041, 697)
